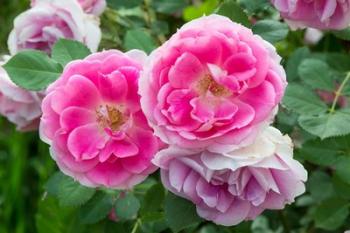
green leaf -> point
(327, 124)
(343, 34)
(324, 152)
(65, 51)
(32, 70)
(139, 39)
(252, 6)
(180, 213)
(68, 191)
(48, 217)
(304, 200)
(261, 224)
(341, 187)
(232, 10)
(317, 74)
(343, 169)
(52, 186)
(303, 100)
(271, 30)
(205, 8)
(168, 6)
(331, 214)
(126, 207)
(338, 61)
(51, 217)
(117, 4)
(71, 193)
(145, 185)
(160, 27)
(97, 208)
(154, 227)
(294, 61)
(153, 199)
(320, 185)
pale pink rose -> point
(321, 14)
(19, 106)
(239, 185)
(93, 121)
(95, 7)
(213, 84)
(41, 26)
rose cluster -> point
(210, 93)
(199, 107)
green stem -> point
(339, 92)
(136, 226)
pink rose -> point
(95, 7)
(41, 26)
(239, 185)
(321, 14)
(93, 121)
(19, 106)
(213, 84)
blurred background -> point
(24, 161)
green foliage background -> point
(36, 198)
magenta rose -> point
(19, 106)
(93, 121)
(239, 185)
(321, 14)
(41, 26)
(214, 84)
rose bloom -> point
(325, 14)
(239, 185)
(213, 84)
(41, 26)
(93, 122)
(95, 7)
(19, 106)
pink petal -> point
(79, 91)
(208, 193)
(109, 174)
(119, 149)
(73, 117)
(241, 65)
(262, 99)
(85, 142)
(185, 71)
(113, 87)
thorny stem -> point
(339, 92)
(136, 226)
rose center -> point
(207, 83)
(109, 117)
